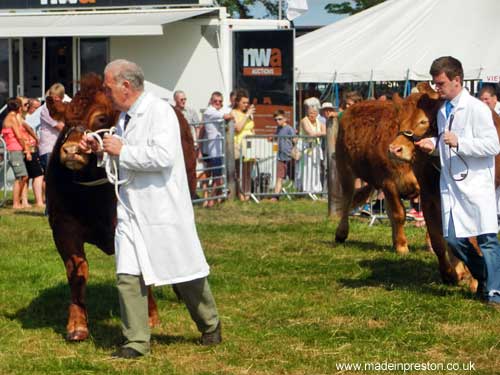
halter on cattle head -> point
(416, 120)
(90, 110)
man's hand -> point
(450, 139)
(89, 144)
(112, 145)
(426, 145)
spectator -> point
(309, 170)
(213, 129)
(189, 113)
(49, 128)
(33, 115)
(242, 114)
(33, 166)
(284, 134)
(488, 95)
(17, 147)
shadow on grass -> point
(50, 310)
(406, 274)
(358, 245)
(29, 213)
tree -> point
(346, 7)
(241, 8)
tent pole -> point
(370, 87)
(300, 103)
(407, 91)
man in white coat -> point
(155, 239)
(467, 145)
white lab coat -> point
(159, 240)
(472, 201)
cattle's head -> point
(89, 111)
(416, 116)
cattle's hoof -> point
(402, 250)
(77, 336)
(339, 239)
(154, 321)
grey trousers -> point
(133, 297)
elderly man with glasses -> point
(212, 147)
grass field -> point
(291, 302)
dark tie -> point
(448, 108)
(125, 123)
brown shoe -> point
(211, 338)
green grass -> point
(290, 300)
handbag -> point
(295, 153)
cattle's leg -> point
(347, 183)
(69, 243)
(152, 309)
(77, 271)
(397, 215)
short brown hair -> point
(279, 112)
(487, 89)
(449, 66)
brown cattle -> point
(427, 168)
(81, 203)
(365, 133)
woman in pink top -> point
(17, 147)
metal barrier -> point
(258, 163)
(211, 188)
(4, 166)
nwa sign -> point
(71, 4)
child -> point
(284, 134)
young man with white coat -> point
(467, 145)
(156, 241)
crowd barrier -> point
(210, 188)
(258, 163)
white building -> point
(180, 44)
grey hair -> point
(312, 103)
(124, 70)
(178, 92)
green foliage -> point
(290, 300)
(347, 7)
(241, 8)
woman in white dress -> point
(308, 176)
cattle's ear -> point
(57, 110)
(398, 100)
(425, 88)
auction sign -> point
(69, 4)
(263, 65)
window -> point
(4, 71)
(93, 55)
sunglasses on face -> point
(217, 101)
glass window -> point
(4, 71)
(93, 55)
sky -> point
(316, 15)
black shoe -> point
(126, 353)
(212, 338)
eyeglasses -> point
(217, 101)
(279, 119)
